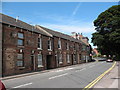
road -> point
(76, 76)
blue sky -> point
(64, 17)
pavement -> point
(111, 79)
(76, 76)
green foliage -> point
(107, 35)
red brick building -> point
(86, 51)
(27, 48)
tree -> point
(107, 35)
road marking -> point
(59, 70)
(92, 66)
(98, 78)
(80, 70)
(23, 85)
(83, 69)
(58, 76)
(62, 70)
(68, 68)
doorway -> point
(32, 62)
(72, 59)
(49, 62)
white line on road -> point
(58, 76)
(69, 68)
(59, 70)
(62, 70)
(92, 66)
(23, 85)
(80, 70)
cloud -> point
(86, 29)
(70, 28)
(76, 9)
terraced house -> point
(27, 48)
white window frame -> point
(84, 57)
(20, 58)
(68, 58)
(60, 59)
(67, 46)
(20, 39)
(59, 44)
(40, 43)
(74, 58)
(40, 60)
(50, 45)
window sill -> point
(40, 66)
(49, 49)
(39, 48)
(68, 62)
(60, 62)
(21, 68)
(59, 48)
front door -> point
(72, 59)
(49, 62)
(32, 62)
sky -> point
(65, 17)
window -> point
(49, 45)
(40, 60)
(68, 58)
(20, 60)
(20, 35)
(20, 56)
(83, 48)
(88, 48)
(59, 44)
(19, 63)
(77, 48)
(74, 47)
(20, 39)
(60, 59)
(74, 57)
(39, 43)
(84, 57)
(67, 46)
(87, 58)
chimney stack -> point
(17, 18)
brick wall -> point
(30, 49)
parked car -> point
(2, 86)
(109, 60)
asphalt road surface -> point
(76, 76)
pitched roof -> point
(42, 30)
(12, 21)
(60, 35)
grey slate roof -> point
(12, 21)
(61, 35)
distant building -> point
(86, 47)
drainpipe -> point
(1, 55)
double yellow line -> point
(98, 78)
